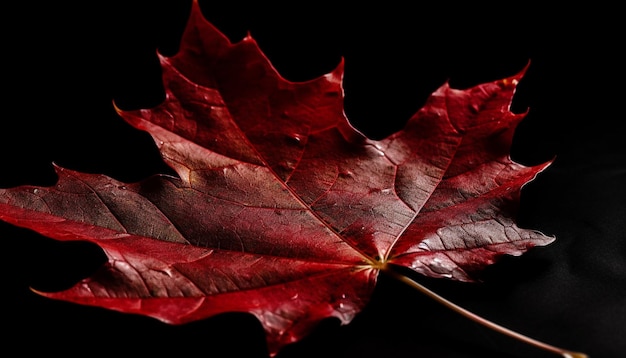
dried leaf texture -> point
(280, 207)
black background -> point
(64, 64)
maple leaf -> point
(280, 207)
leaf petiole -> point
(474, 317)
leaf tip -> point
(336, 75)
(514, 80)
(117, 108)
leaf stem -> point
(474, 317)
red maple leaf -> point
(280, 208)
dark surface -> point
(64, 65)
